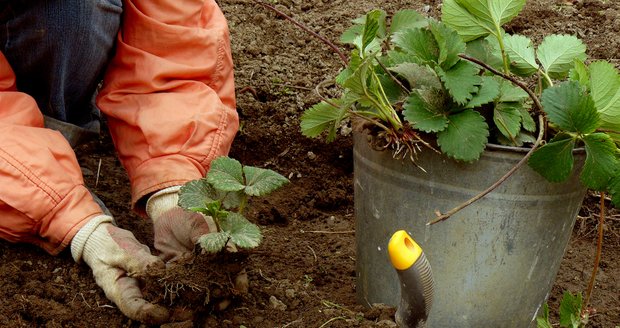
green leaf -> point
(353, 35)
(497, 12)
(406, 19)
(520, 140)
(230, 199)
(488, 91)
(476, 18)
(354, 62)
(543, 320)
(461, 81)
(419, 43)
(196, 194)
(507, 119)
(570, 108)
(371, 27)
(554, 161)
(521, 53)
(605, 91)
(398, 57)
(465, 137)
(457, 17)
(358, 80)
(486, 50)
(557, 54)
(322, 117)
(614, 189)
(261, 182)
(526, 119)
(354, 31)
(570, 309)
(511, 93)
(601, 161)
(417, 76)
(580, 73)
(393, 91)
(226, 174)
(214, 242)
(242, 232)
(423, 115)
(349, 36)
(449, 43)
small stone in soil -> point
(223, 305)
(242, 284)
(290, 293)
(276, 303)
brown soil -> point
(303, 275)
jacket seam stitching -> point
(31, 176)
(52, 211)
(219, 66)
(216, 142)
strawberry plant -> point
(571, 314)
(455, 85)
(223, 195)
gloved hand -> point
(176, 230)
(116, 257)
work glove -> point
(116, 258)
(176, 230)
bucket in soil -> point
(494, 262)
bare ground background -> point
(303, 275)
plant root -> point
(405, 144)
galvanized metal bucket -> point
(494, 262)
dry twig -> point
(597, 258)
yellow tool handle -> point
(416, 280)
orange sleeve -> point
(169, 92)
(43, 199)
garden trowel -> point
(416, 280)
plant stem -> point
(340, 54)
(389, 110)
(216, 220)
(597, 258)
(325, 99)
(385, 69)
(608, 131)
(442, 217)
(512, 79)
(502, 49)
(386, 114)
(547, 78)
(364, 117)
(242, 202)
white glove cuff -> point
(162, 201)
(79, 240)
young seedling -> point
(571, 314)
(223, 195)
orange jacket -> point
(169, 98)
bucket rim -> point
(489, 146)
(496, 147)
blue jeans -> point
(58, 50)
